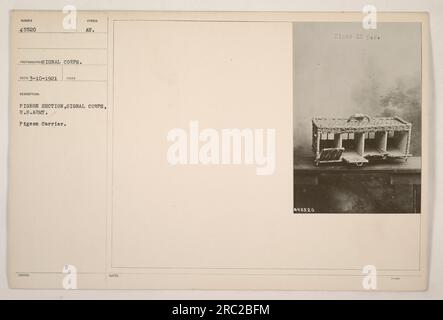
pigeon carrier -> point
(359, 139)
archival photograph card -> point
(218, 151)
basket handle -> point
(359, 117)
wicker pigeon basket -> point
(359, 139)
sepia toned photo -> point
(357, 117)
(252, 151)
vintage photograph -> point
(357, 117)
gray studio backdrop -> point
(341, 69)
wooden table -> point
(399, 172)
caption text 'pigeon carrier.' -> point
(359, 139)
